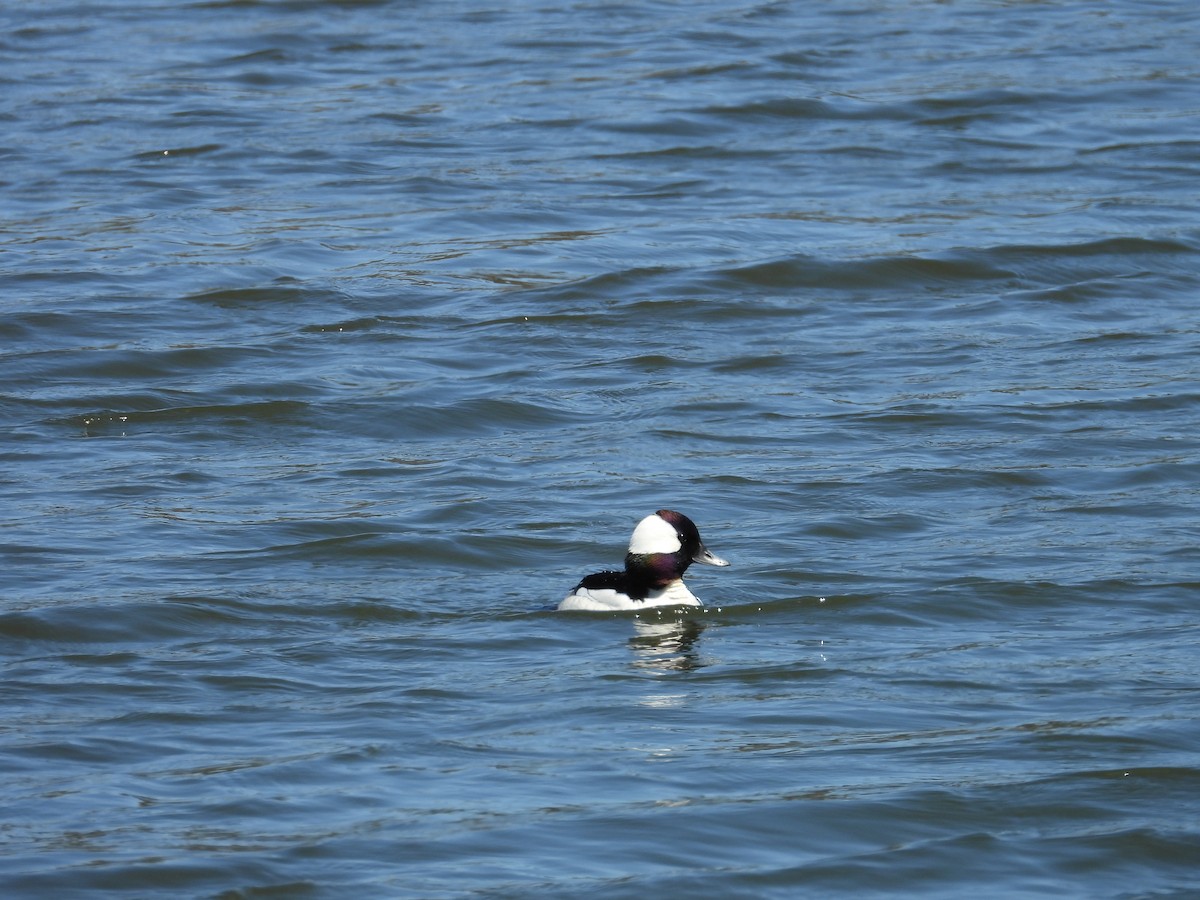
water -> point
(339, 339)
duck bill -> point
(706, 556)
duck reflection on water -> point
(667, 644)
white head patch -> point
(654, 535)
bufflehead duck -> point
(662, 547)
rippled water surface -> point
(339, 339)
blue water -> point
(339, 339)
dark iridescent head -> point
(664, 545)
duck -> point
(661, 548)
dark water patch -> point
(977, 594)
(32, 331)
(894, 273)
(178, 152)
(1120, 338)
(159, 872)
(350, 542)
(1183, 152)
(1008, 268)
(365, 324)
(935, 480)
(867, 527)
(923, 864)
(1155, 402)
(226, 417)
(150, 366)
(1089, 262)
(690, 73)
(836, 599)
(1161, 250)
(120, 622)
(287, 291)
(795, 108)
(485, 415)
(619, 283)
(991, 103)
(363, 613)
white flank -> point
(602, 599)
